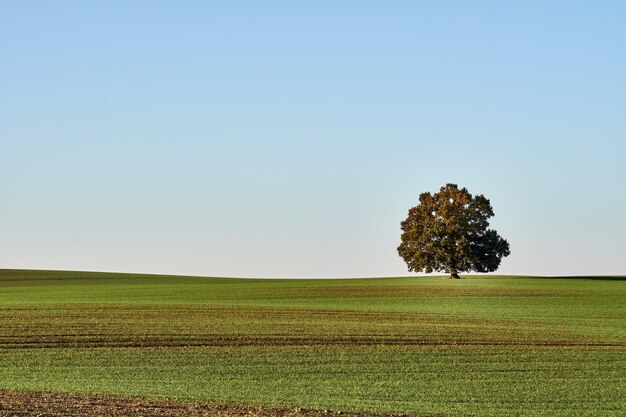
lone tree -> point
(448, 231)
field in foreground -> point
(481, 346)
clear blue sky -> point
(288, 139)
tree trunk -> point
(454, 275)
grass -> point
(481, 346)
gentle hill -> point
(483, 345)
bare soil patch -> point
(23, 404)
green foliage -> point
(448, 231)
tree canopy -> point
(449, 232)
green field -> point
(480, 346)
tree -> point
(448, 231)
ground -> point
(18, 404)
(121, 344)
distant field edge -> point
(120, 274)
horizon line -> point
(422, 275)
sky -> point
(289, 139)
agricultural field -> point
(124, 344)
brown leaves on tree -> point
(449, 231)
